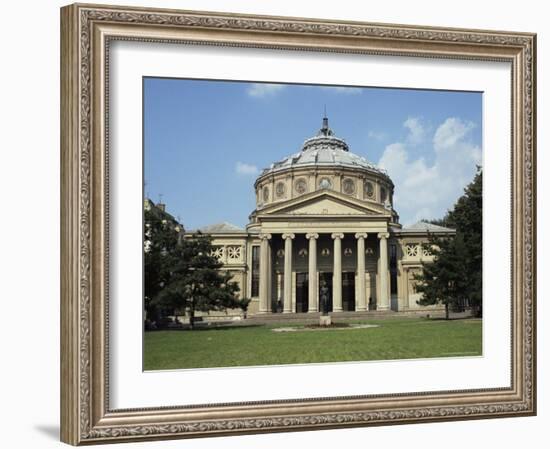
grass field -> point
(259, 345)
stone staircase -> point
(314, 317)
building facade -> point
(324, 217)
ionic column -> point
(312, 276)
(337, 278)
(384, 303)
(287, 305)
(361, 301)
(264, 273)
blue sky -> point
(205, 142)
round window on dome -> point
(348, 186)
(325, 183)
(280, 189)
(265, 194)
(301, 186)
(369, 189)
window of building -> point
(255, 290)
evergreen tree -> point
(467, 219)
(454, 278)
(444, 281)
(160, 237)
(196, 282)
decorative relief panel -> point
(228, 254)
(265, 194)
(348, 186)
(369, 189)
(325, 183)
(426, 251)
(234, 253)
(218, 252)
(411, 249)
(300, 186)
(280, 190)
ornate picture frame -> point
(87, 32)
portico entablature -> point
(300, 227)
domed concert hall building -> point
(324, 218)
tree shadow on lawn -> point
(212, 327)
(466, 318)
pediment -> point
(323, 204)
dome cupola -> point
(324, 162)
(324, 149)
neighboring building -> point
(324, 216)
(159, 211)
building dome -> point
(324, 163)
(324, 149)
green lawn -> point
(258, 345)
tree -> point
(444, 281)
(467, 219)
(160, 237)
(196, 282)
(454, 277)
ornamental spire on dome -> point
(325, 130)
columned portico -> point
(264, 274)
(337, 273)
(323, 217)
(312, 272)
(384, 303)
(356, 276)
(361, 300)
(287, 305)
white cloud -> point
(246, 169)
(377, 135)
(428, 190)
(343, 90)
(452, 131)
(417, 130)
(262, 90)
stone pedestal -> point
(325, 320)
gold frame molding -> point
(86, 31)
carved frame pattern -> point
(86, 33)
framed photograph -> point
(280, 224)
